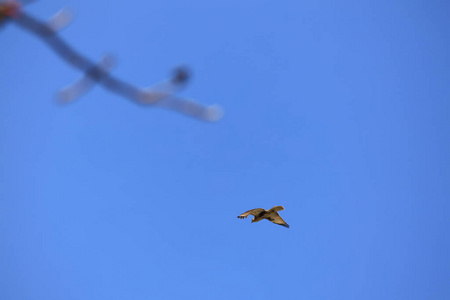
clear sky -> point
(337, 110)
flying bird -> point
(261, 213)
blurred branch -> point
(161, 95)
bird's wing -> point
(254, 212)
(275, 209)
(274, 217)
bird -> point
(261, 213)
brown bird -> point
(261, 213)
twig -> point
(161, 95)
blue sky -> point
(337, 110)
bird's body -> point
(260, 214)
